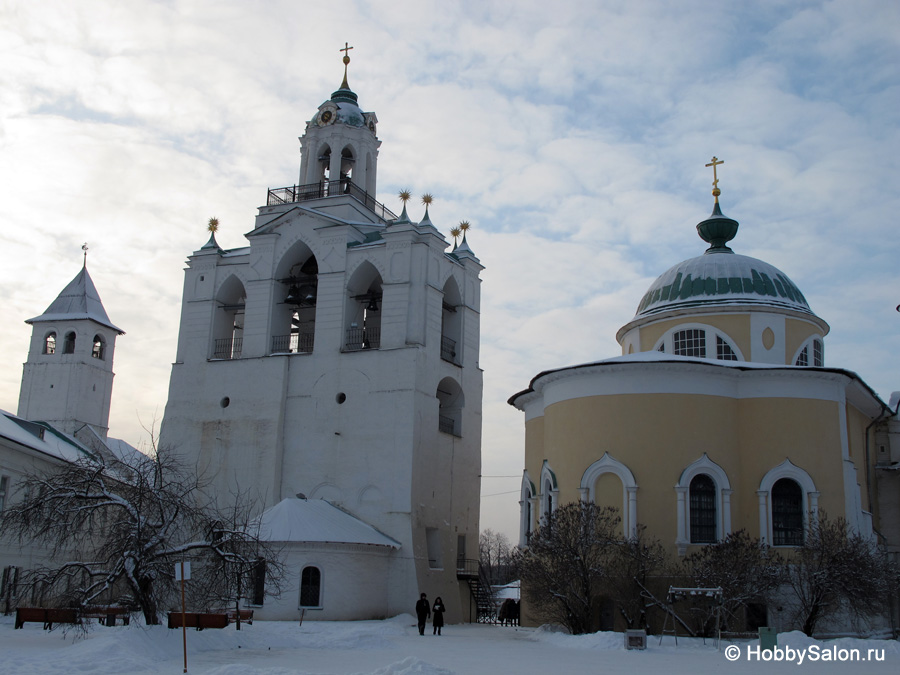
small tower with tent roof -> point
(68, 377)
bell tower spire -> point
(339, 148)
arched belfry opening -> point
(347, 163)
(362, 318)
(451, 322)
(450, 406)
(324, 163)
(228, 321)
(296, 296)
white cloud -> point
(573, 138)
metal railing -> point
(363, 338)
(228, 348)
(295, 343)
(447, 425)
(332, 188)
(448, 350)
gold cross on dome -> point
(714, 163)
(346, 48)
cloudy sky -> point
(573, 138)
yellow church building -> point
(719, 415)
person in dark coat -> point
(423, 611)
(438, 621)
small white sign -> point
(187, 571)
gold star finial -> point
(427, 199)
(455, 232)
(405, 196)
(464, 226)
(714, 163)
(346, 49)
(213, 225)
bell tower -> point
(67, 379)
(339, 148)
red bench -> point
(197, 620)
(246, 615)
(48, 617)
(106, 615)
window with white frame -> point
(703, 504)
(811, 353)
(788, 500)
(703, 498)
(699, 341)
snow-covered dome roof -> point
(721, 278)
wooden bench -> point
(245, 615)
(106, 615)
(48, 617)
(197, 620)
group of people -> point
(424, 610)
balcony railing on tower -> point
(330, 188)
(363, 338)
(228, 348)
(295, 343)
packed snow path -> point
(394, 647)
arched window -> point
(69, 344)
(703, 504)
(311, 587)
(549, 497)
(450, 406)
(50, 343)
(526, 510)
(699, 341)
(363, 313)
(788, 500)
(703, 510)
(98, 350)
(787, 513)
(811, 353)
(588, 489)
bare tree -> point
(495, 557)
(569, 562)
(746, 570)
(641, 564)
(837, 570)
(117, 528)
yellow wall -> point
(658, 435)
(735, 326)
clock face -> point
(326, 117)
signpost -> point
(182, 573)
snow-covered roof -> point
(317, 520)
(78, 300)
(41, 437)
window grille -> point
(690, 342)
(787, 513)
(703, 510)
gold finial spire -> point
(84, 247)
(714, 163)
(213, 225)
(346, 48)
(404, 196)
(455, 232)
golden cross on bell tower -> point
(716, 191)
(346, 48)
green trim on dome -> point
(738, 289)
(345, 96)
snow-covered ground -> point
(394, 647)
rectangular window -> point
(691, 342)
(4, 487)
(258, 582)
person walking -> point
(423, 611)
(437, 622)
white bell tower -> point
(67, 379)
(339, 149)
